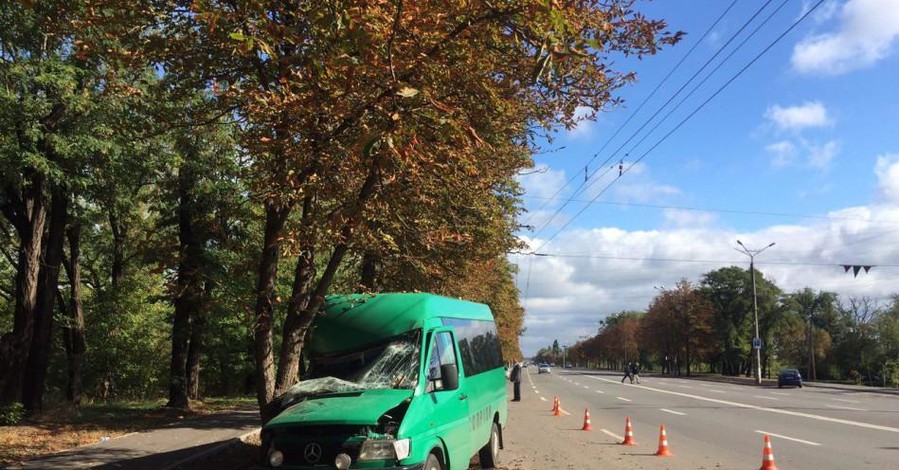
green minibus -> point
(394, 381)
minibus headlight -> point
(342, 461)
(402, 447)
(377, 449)
(275, 458)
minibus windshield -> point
(392, 363)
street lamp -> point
(756, 342)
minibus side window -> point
(442, 353)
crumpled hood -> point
(357, 407)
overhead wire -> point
(658, 111)
(687, 118)
(636, 111)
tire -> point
(432, 463)
(489, 454)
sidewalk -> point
(162, 448)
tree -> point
(677, 326)
(730, 294)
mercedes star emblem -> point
(312, 453)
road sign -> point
(756, 343)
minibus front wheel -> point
(433, 463)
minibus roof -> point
(354, 320)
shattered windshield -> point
(392, 363)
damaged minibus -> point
(394, 381)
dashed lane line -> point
(844, 401)
(543, 398)
(666, 410)
(845, 408)
(766, 398)
(614, 436)
(715, 391)
(801, 441)
(770, 410)
(600, 391)
(622, 398)
(586, 387)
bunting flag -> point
(856, 268)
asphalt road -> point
(721, 425)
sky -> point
(801, 150)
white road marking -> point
(844, 401)
(845, 408)
(770, 410)
(537, 391)
(766, 398)
(614, 436)
(543, 398)
(586, 386)
(600, 391)
(622, 398)
(788, 438)
(563, 411)
(684, 386)
(576, 383)
(781, 394)
(716, 391)
(672, 412)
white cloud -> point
(784, 153)
(606, 270)
(809, 114)
(586, 121)
(542, 182)
(887, 171)
(820, 156)
(865, 35)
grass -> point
(63, 426)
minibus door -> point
(449, 398)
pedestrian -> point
(627, 373)
(635, 373)
(515, 377)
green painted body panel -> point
(351, 321)
(364, 407)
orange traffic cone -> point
(555, 404)
(587, 425)
(768, 456)
(663, 443)
(558, 410)
(628, 434)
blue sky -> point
(802, 149)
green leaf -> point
(237, 36)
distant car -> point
(543, 369)
(568, 366)
(789, 377)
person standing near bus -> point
(515, 377)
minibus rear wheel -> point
(433, 463)
(489, 454)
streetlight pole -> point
(756, 342)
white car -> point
(543, 369)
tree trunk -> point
(27, 212)
(119, 238)
(275, 218)
(289, 357)
(188, 294)
(73, 332)
(369, 272)
(48, 282)
(195, 349)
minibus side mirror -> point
(450, 376)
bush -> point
(12, 414)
